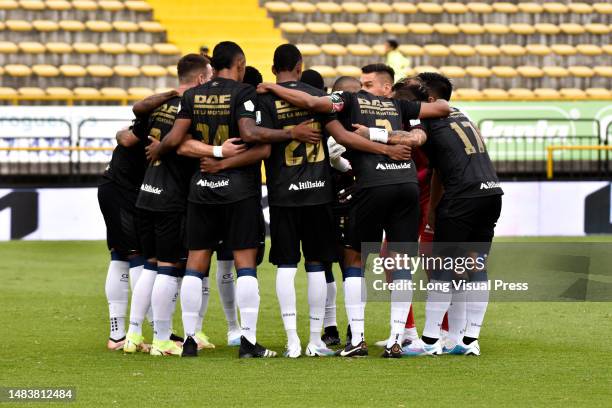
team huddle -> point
(373, 161)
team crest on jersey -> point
(249, 106)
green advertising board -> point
(522, 130)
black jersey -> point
(376, 111)
(166, 181)
(128, 164)
(214, 109)
(456, 149)
(297, 174)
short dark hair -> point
(343, 81)
(392, 43)
(410, 91)
(190, 63)
(379, 69)
(437, 84)
(313, 78)
(286, 57)
(252, 76)
(224, 55)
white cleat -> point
(419, 348)
(293, 350)
(472, 349)
(313, 350)
(233, 338)
(383, 343)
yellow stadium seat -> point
(153, 70)
(403, 7)
(537, 49)
(522, 29)
(98, 26)
(31, 47)
(8, 47)
(45, 70)
(45, 25)
(344, 28)
(430, 8)
(111, 5)
(2, 25)
(546, 93)
(334, 49)
(467, 94)
(598, 93)
(72, 70)
(532, 8)
(572, 28)
(85, 5)
(446, 28)
(547, 28)
(18, 25)
(455, 8)
(395, 28)
(603, 71)
(160, 90)
(380, 49)
(504, 7)
(588, 49)
(580, 8)
(555, 71)
(114, 92)
(348, 70)
(410, 50)
(602, 8)
(100, 71)
(487, 50)
(360, 50)
(512, 50)
(140, 92)
(325, 70)
(563, 49)
(354, 7)
(128, 71)
(151, 27)
(6, 91)
(425, 68)
(556, 8)
(59, 92)
(478, 71)
(137, 6)
(600, 29)
(452, 71)
(379, 7)
(86, 92)
(498, 29)
(309, 50)
(166, 49)
(471, 28)
(31, 91)
(71, 25)
(503, 71)
(277, 7)
(303, 7)
(581, 71)
(172, 70)
(8, 5)
(607, 48)
(370, 28)
(125, 26)
(528, 71)
(139, 48)
(320, 28)
(32, 5)
(436, 50)
(495, 94)
(112, 48)
(329, 7)
(420, 28)
(85, 48)
(522, 94)
(292, 28)
(462, 50)
(17, 70)
(572, 93)
(479, 8)
(59, 47)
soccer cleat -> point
(416, 348)
(233, 338)
(349, 335)
(202, 341)
(190, 348)
(248, 350)
(177, 339)
(165, 348)
(472, 349)
(395, 351)
(383, 343)
(330, 336)
(360, 350)
(312, 350)
(115, 345)
(454, 349)
(135, 342)
(293, 350)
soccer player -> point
(464, 208)
(387, 196)
(117, 194)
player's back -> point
(457, 150)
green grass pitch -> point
(54, 325)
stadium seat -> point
(404, 7)
(599, 29)
(522, 29)
(85, 48)
(31, 47)
(462, 50)
(125, 26)
(379, 7)
(112, 48)
(348, 70)
(8, 5)
(580, 8)
(320, 28)
(151, 27)
(277, 7)
(467, 94)
(487, 50)
(100, 71)
(354, 7)
(572, 93)
(31, 92)
(45, 26)
(436, 50)
(334, 49)
(598, 93)
(72, 25)
(395, 28)
(329, 7)
(446, 28)
(6, 91)
(581, 71)
(572, 28)
(137, 6)
(503, 71)
(602, 8)
(309, 50)
(114, 92)
(379, 49)
(126, 71)
(512, 50)
(411, 50)
(607, 48)
(72, 70)
(32, 5)
(370, 28)
(139, 48)
(325, 70)
(140, 92)
(497, 29)
(58, 47)
(98, 26)
(303, 7)
(430, 8)
(504, 7)
(420, 28)
(531, 8)
(563, 49)
(452, 71)
(8, 47)
(59, 92)
(528, 71)
(556, 8)
(455, 8)
(479, 8)
(537, 49)
(603, 71)
(18, 25)
(45, 70)
(343, 28)
(471, 29)
(521, 94)
(17, 70)
(111, 5)
(588, 49)
(555, 71)
(85, 5)
(478, 71)
(360, 50)
(166, 49)
(86, 92)
(153, 71)
(292, 28)
(547, 28)
(546, 93)
(494, 94)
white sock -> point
(227, 293)
(117, 294)
(162, 302)
(457, 316)
(435, 308)
(247, 298)
(285, 291)
(191, 301)
(330, 305)
(135, 272)
(411, 333)
(204, 305)
(400, 306)
(355, 308)
(174, 301)
(317, 294)
(141, 299)
(476, 306)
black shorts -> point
(393, 209)
(467, 219)
(163, 235)
(238, 225)
(312, 225)
(118, 207)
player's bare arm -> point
(150, 103)
(304, 132)
(198, 149)
(320, 104)
(252, 155)
(171, 142)
(126, 138)
(432, 110)
(413, 138)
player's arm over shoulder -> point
(301, 99)
(431, 110)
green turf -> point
(54, 325)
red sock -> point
(445, 322)
(410, 320)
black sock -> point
(468, 340)
(428, 340)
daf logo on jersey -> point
(212, 184)
(393, 166)
(150, 189)
(375, 103)
(306, 185)
(212, 99)
(489, 184)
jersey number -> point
(221, 135)
(461, 132)
(314, 153)
(156, 134)
(384, 123)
